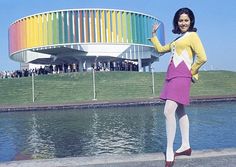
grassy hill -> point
(78, 87)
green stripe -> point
(133, 28)
(60, 28)
(145, 29)
(65, 27)
(76, 26)
(50, 29)
(82, 26)
(137, 28)
(129, 27)
(124, 26)
(142, 28)
(55, 28)
(71, 27)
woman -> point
(181, 71)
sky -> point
(214, 19)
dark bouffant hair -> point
(190, 14)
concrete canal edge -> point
(199, 158)
(102, 104)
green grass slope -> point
(78, 87)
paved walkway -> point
(204, 158)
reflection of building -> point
(38, 146)
(84, 37)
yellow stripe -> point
(32, 32)
(103, 27)
(27, 32)
(31, 27)
(108, 26)
(124, 27)
(119, 28)
(113, 26)
(98, 26)
(40, 32)
(36, 31)
(45, 39)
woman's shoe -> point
(186, 152)
(169, 163)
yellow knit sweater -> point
(187, 48)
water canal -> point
(123, 130)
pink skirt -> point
(177, 89)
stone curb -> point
(108, 160)
(103, 104)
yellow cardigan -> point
(184, 49)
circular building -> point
(84, 38)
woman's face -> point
(184, 23)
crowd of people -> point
(66, 68)
(23, 73)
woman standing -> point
(183, 69)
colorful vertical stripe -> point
(81, 26)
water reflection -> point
(109, 131)
(38, 146)
(8, 138)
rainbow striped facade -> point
(81, 26)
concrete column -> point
(88, 64)
(81, 65)
(108, 65)
(144, 69)
(150, 67)
(140, 69)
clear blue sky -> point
(215, 20)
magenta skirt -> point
(177, 89)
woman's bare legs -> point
(184, 128)
(169, 112)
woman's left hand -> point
(154, 28)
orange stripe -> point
(92, 25)
(81, 26)
(87, 26)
